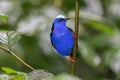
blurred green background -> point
(99, 36)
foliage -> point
(34, 75)
(25, 27)
(9, 38)
(3, 17)
(12, 74)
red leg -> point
(72, 59)
(74, 36)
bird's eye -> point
(60, 20)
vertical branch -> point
(76, 33)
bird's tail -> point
(71, 55)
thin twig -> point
(76, 33)
(57, 3)
(16, 57)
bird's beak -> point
(67, 18)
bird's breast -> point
(63, 42)
(59, 33)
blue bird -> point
(62, 37)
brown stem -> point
(16, 57)
(76, 33)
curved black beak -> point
(67, 18)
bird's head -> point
(60, 19)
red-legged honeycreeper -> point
(62, 37)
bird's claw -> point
(74, 36)
(72, 59)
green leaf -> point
(98, 40)
(19, 77)
(112, 60)
(8, 70)
(9, 38)
(3, 17)
(65, 77)
(110, 55)
(89, 55)
(101, 27)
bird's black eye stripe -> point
(60, 20)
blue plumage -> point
(62, 37)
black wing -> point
(52, 27)
(52, 34)
(71, 30)
(77, 44)
(51, 39)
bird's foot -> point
(74, 36)
(72, 59)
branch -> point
(57, 3)
(16, 57)
(76, 33)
